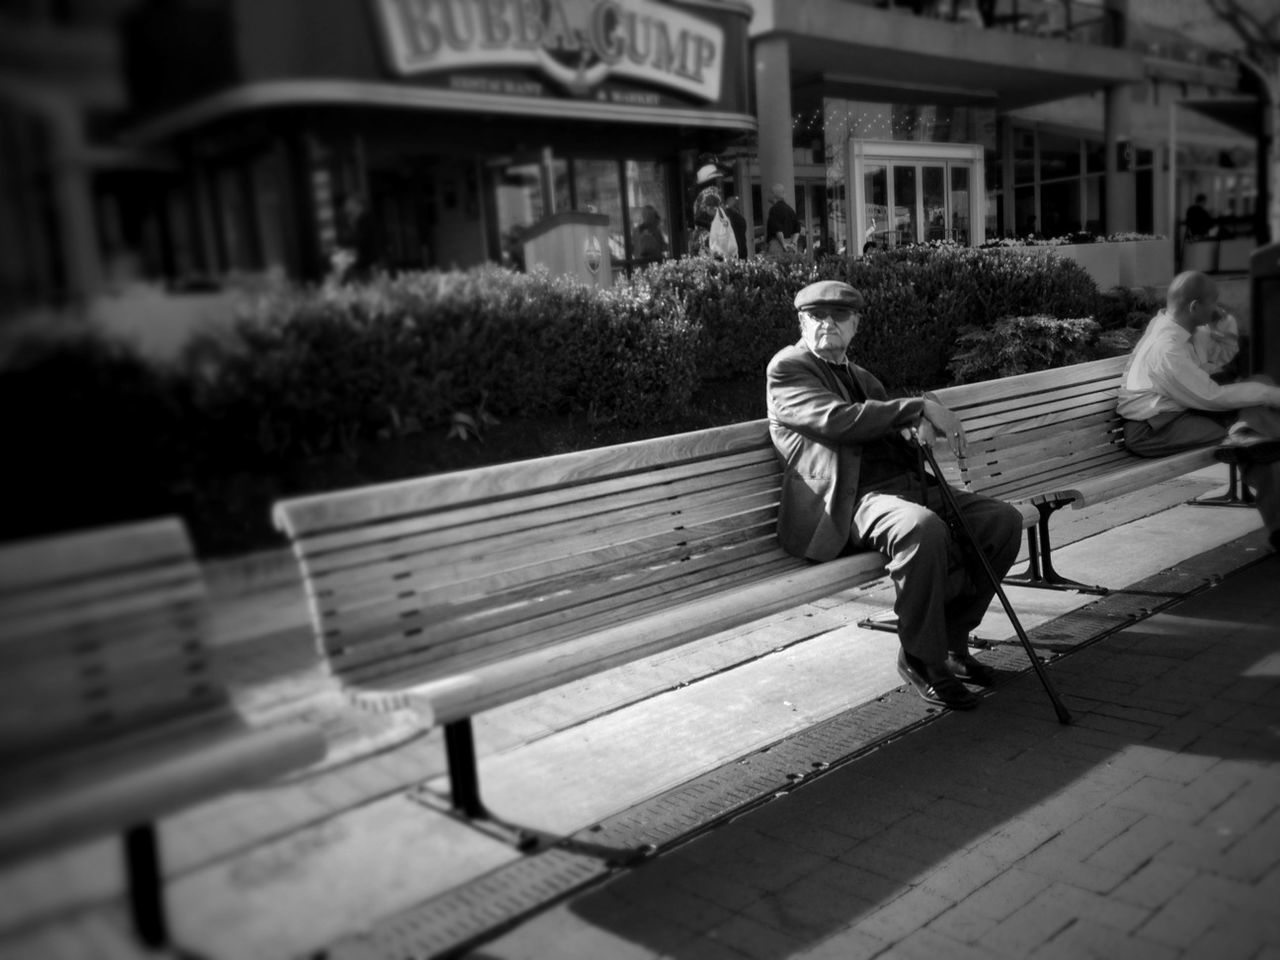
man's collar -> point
(1163, 317)
(842, 363)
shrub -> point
(1123, 307)
(740, 311)
(92, 434)
(920, 298)
(1022, 344)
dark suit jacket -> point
(818, 430)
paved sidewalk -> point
(1150, 827)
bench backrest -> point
(1026, 431)
(452, 571)
(101, 634)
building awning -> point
(887, 53)
(372, 94)
(1239, 112)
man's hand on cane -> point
(937, 421)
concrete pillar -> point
(773, 112)
(73, 199)
(1121, 214)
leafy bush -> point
(1020, 345)
(920, 298)
(320, 371)
(316, 385)
(90, 433)
(1123, 307)
(740, 310)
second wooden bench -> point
(455, 593)
(1051, 439)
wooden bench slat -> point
(145, 777)
(452, 698)
(110, 715)
(302, 516)
(433, 597)
(629, 516)
(516, 625)
(29, 563)
(441, 528)
(1038, 419)
(470, 567)
(1089, 489)
(961, 398)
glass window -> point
(960, 204)
(599, 190)
(934, 193)
(905, 217)
(1060, 205)
(1095, 156)
(875, 211)
(519, 204)
(649, 210)
(1024, 212)
(1059, 156)
(1024, 156)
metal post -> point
(464, 781)
(146, 893)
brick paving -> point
(1148, 828)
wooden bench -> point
(455, 593)
(109, 716)
(1050, 439)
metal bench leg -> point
(464, 781)
(146, 886)
(1238, 493)
(1040, 572)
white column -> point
(1120, 212)
(773, 112)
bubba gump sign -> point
(577, 43)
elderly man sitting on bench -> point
(1170, 401)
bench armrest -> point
(1138, 476)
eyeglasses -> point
(831, 314)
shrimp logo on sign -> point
(591, 253)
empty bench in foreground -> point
(456, 593)
(109, 715)
(1050, 439)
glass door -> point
(811, 210)
(915, 193)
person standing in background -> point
(782, 224)
(709, 199)
(732, 208)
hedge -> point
(308, 374)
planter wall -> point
(1144, 263)
(1098, 259)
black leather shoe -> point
(945, 691)
(1246, 447)
(970, 669)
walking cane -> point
(949, 498)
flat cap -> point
(829, 293)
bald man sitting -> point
(1170, 401)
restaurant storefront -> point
(457, 124)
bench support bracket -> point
(1238, 493)
(1040, 571)
(464, 780)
